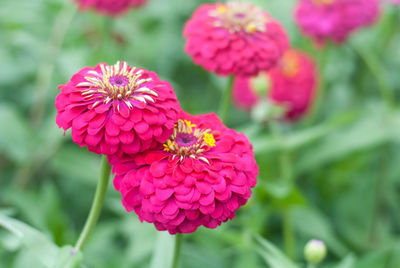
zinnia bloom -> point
(292, 84)
(117, 109)
(201, 176)
(110, 7)
(335, 19)
(234, 39)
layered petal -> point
(110, 7)
(117, 109)
(334, 20)
(291, 84)
(234, 39)
(179, 191)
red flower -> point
(110, 7)
(292, 84)
(234, 39)
(117, 109)
(335, 19)
(201, 176)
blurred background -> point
(343, 160)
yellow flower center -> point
(238, 16)
(209, 139)
(290, 64)
(323, 2)
(188, 140)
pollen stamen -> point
(237, 16)
(116, 83)
(188, 140)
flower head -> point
(117, 109)
(291, 83)
(334, 19)
(110, 7)
(201, 176)
(234, 38)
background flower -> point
(110, 7)
(334, 20)
(203, 175)
(234, 39)
(117, 109)
(291, 84)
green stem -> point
(177, 250)
(319, 94)
(379, 196)
(375, 67)
(286, 171)
(389, 28)
(226, 100)
(288, 233)
(46, 67)
(96, 205)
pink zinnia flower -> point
(201, 176)
(292, 85)
(234, 39)
(117, 109)
(335, 19)
(110, 7)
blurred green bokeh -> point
(344, 158)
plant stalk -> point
(377, 70)
(46, 67)
(319, 94)
(97, 204)
(226, 100)
(286, 171)
(177, 250)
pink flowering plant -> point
(117, 109)
(175, 134)
(200, 176)
(334, 20)
(234, 38)
(110, 7)
(291, 85)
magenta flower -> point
(110, 7)
(117, 109)
(234, 39)
(292, 84)
(200, 176)
(335, 20)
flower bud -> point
(315, 251)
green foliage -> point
(273, 256)
(333, 176)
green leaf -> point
(272, 255)
(68, 161)
(36, 242)
(348, 262)
(378, 259)
(313, 224)
(367, 133)
(17, 140)
(299, 138)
